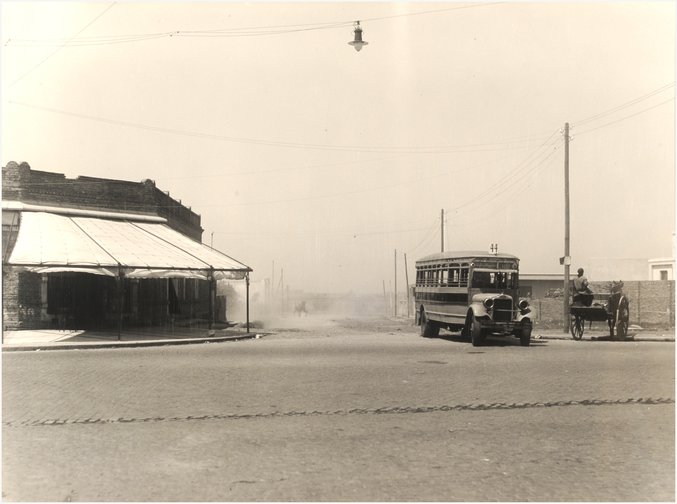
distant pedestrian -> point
(300, 308)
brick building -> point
(103, 253)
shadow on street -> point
(490, 341)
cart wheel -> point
(622, 318)
(577, 327)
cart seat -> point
(583, 299)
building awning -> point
(48, 242)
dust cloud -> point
(301, 310)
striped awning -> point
(49, 242)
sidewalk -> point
(635, 334)
(52, 339)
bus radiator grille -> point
(502, 310)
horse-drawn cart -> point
(615, 312)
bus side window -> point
(444, 277)
(464, 276)
(453, 277)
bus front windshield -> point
(494, 280)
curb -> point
(246, 336)
(630, 339)
(128, 344)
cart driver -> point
(582, 292)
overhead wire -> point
(578, 133)
(516, 175)
(495, 207)
(488, 192)
(499, 199)
(41, 62)
(325, 232)
(419, 150)
(624, 105)
(424, 241)
(407, 182)
(495, 146)
(224, 32)
(490, 214)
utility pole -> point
(272, 288)
(281, 289)
(395, 282)
(567, 257)
(442, 229)
(385, 298)
(406, 278)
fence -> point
(652, 304)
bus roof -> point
(464, 254)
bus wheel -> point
(525, 335)
(476, 335)
(429, 329)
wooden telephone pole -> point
(442, 229)
(395, 308)
(385, 298)
(406, 277)
(567, 257)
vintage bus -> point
(473, 292)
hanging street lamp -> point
(357, 43)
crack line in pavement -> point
(355, 411)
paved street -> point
(352, 410)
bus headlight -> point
(523, 305)
(488, 303)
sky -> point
(327, 167)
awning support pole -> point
(120, 301)
(212, 295)
(247, 283)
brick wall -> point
(184, 220)
(21, 183)
(14, 177)
(652, 304)
(10, 299)
(22, 300)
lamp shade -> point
(357, 42)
